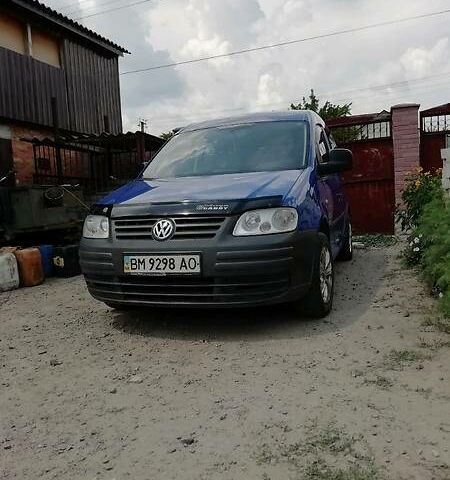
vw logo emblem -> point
(163, 230)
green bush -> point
(420, 189)
(425, 216)
(434, 227)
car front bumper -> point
(236, 271)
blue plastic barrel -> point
(47, 259)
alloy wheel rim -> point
(350, 238)
(326, 274)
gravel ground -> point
(90, 393)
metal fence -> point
(97, 163)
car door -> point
(331, 192)
(340, 198)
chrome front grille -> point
(187, 227)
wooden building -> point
(55, 76)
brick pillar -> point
(406, 139)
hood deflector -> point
(213, 207)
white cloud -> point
(268, 90)
(178, 30)
(204, 47)
(422, 61)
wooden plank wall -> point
(86, 87)
(93, 89)
(26, 89)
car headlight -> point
(266, 221)
(96, 226)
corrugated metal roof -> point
(358, 119)
(103, 140)
(439, 110)
(51, 15)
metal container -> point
(27, 209)
(9, 273)
(30, 267)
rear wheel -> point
(318, 301)
(346, 253)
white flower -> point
(411, 244)
(416, 249)
(416, 240)
(420, 235)
(441, 294)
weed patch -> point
(439, 322)
(434, 345)
(381, 382)
(397, 359)
(321, 471)
(376, 240)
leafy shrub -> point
(421, 187)
(413, 252)
(434, 226)
(425, 216)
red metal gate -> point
(434, 130)
(370, 184)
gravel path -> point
(90, 393)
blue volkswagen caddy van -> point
(241, 211)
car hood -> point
(239, 186)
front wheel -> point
(346, 253)
(318, 301)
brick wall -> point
(406, 139)
(23, 152)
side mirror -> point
(339, 160)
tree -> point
(326, 111)
(167, 135)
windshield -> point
(256, 147)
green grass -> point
(266, 455)
(439, 322)
(434, 345)
(323, 454)
(434, 225)
(381, 382)
(399, 358)
(320, 471)
(376, 240)
(331, 440)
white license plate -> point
(161, 264)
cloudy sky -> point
(340, 68)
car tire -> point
(346, 253)
(318, 302)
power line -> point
(64, 6)
(418, 88)
(334, 95)
(397, 84)
(430, 87)
(76, 6)
(290, 42)
(113, 9)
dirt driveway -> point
(89, 393)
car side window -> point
(322, 145)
